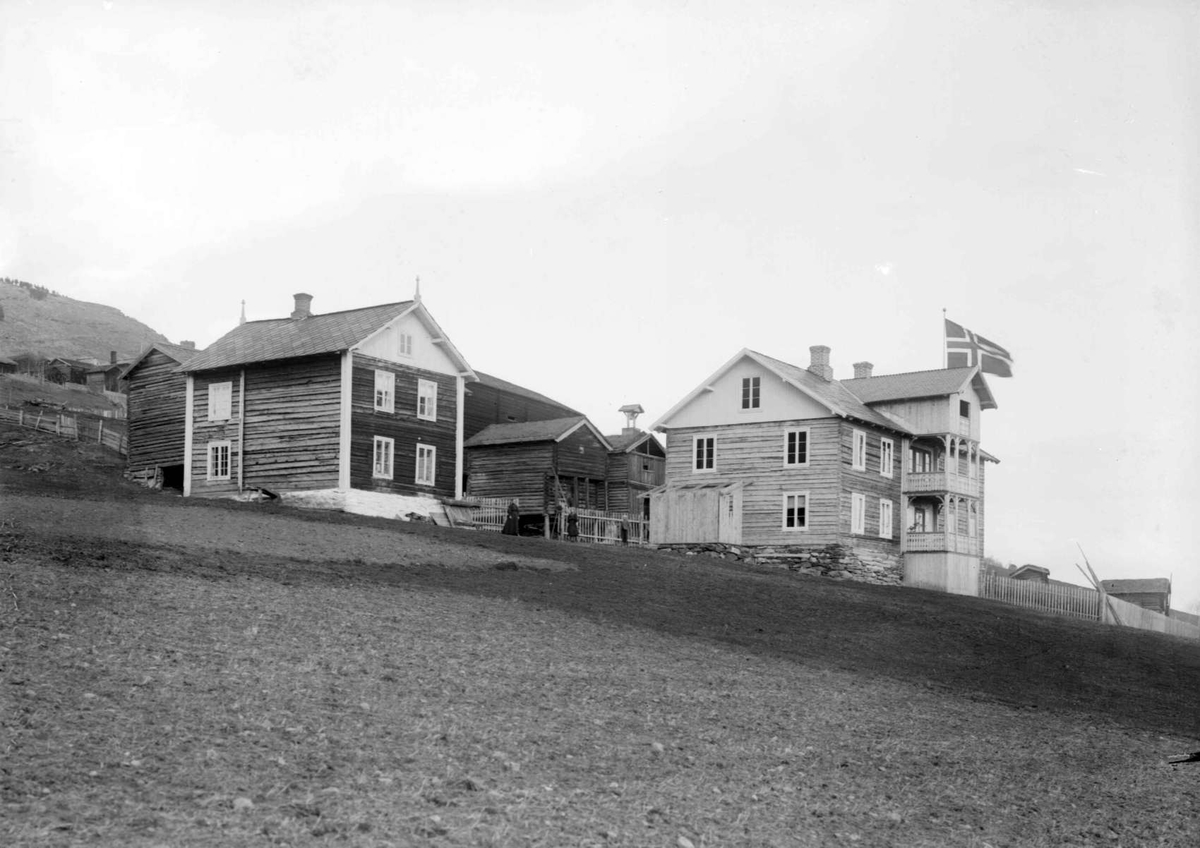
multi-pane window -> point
(750, 395)
(427, 400)
(919, 461)
(858, 513)
(385, 391)
(859, 460)
(704, 450)
(404, 348)
(220, 401)
(384, 451)
(885, 518)
(795, 447)
(795, 511)
(426, 464)
(886, 450)
(218, 460)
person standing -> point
(512, 524)
(572, 526)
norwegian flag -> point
(964, 349)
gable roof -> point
(332, 332)
(921, 384)
(494, 382)
(553, 430)
(179, 353)
(624, 443)
(831, 394)
(1150, 585)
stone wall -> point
(837, 561)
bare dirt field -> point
(176, 672)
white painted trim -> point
(241, 428)
(807, 431)
(887, 469)
(807, 512)
(187, 436)
(390, 444)
(711, 470)
(855, 435)
(344, 423)
(585, 422)
(460, 389)
(858, 528)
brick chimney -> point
(188, 343)
(820, 362)
(112, 357)
(303, 306)
(862, 369)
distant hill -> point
(35, 320)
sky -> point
(606, 201)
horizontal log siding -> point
(205, 431)
(582, 455)
(157, 405)
(486, 405)
(404, 426)
(873, 485)
(511, 472)
(292, 424)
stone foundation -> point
(837, 561)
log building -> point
(157, 393)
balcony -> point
(941, 481)
(941, 541)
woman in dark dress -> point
(512, 524)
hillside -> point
(194, 673)
(48, 324)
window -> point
(885, 519)
(704, 453)
(218, 460)
(858, 513)
(795, 447)
(427, 400)
(859, 462)
(964, 408)
(426, 464)
(220, 401)
(795, 511)
(385, 391)
(885, 457)
(404, 348)
(919, 461)
(973, 521)
(385, 449)
(750, 392)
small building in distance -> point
(107, 377)
(157, 398)
(1153, 593)
(637, 463)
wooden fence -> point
(604, 528)
(111, 433)
(1075, 601)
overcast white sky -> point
(605, 201)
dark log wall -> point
(486, 405)
(511, 471)
(404, 426)
(205, 431)
(157, 404)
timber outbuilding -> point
(157, 395)
(636, 465)
(360, 410)
(491, 400)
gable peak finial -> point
(242, 320)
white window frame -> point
(751, 393)
(385, 391)
(427, 396)
(858, 457)
(886, 519)
(426, 455)
(858, 513)
(787, 434)
(220, 401)
(214, 472)
(383, 458)
(791, 496)
(404, 344)
(887, 456)
(697, 466)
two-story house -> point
(360, 410)
(771, 456)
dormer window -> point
(405, 346)
(750, 392)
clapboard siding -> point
(514, 472)
(404, 427)
(204, 432)
(872, 484)
(157, 403)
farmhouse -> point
(157, 395)
(360, 410)
(877, 477)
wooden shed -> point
(637, 464)
(690, 513)
(539, 464)
(157, 393)
(1152, 593)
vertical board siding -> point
(404, 427)
(205, 431)
(157, 404)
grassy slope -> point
(190, 695)
(62, 326)
(18, 390)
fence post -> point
(100, 437)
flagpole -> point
(945, 348)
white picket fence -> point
(604, 528)
(1075, 601)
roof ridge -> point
(908, 373)
(327, 314)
